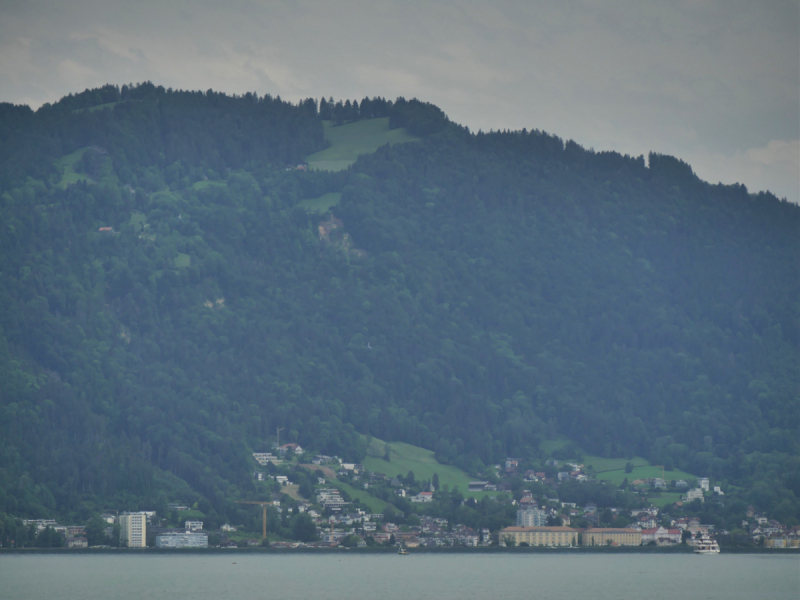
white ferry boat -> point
(706, 545)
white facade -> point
(695, 494)
(263, 458)
(703, 483)
(531, 517)
(193, 525)
(423, 497)
(182, 540)
(133, 530)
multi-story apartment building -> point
(531, 517)
(133, 530)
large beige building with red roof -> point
(539, 536)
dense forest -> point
(168, 303)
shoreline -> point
(392, 550)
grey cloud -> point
(713, 81)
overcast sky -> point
(714, 82)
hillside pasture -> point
(207, 183)
(374, 504)
(612, 470)
(643, 472)
(350, 140)
(405, 458)
(67, 164)
(322, 204)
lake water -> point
(440, 576)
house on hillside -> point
(290, 449)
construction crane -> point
(278, 433)
(264, 507)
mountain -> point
(175, 289)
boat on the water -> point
(706, 545)
(402, 551)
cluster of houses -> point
(772, 533)
(74, 535)
(360, 525)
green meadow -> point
(183, 260)
(67, 163)
(405, 458)
(350, 140)
(612, 470)
(322, 204)
(374, 504)
(205, 184)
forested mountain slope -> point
(471, 293)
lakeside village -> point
(315, 505)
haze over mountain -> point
(174, 289)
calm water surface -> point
(390, 577)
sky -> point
(713, 82)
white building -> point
(695, 494)
(263, 458)
(133, 529)
(193, 525)
(703, 483)
(423, 497)
(182, 540)
(531, 517)
(41, 524)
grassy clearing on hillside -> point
(644, 472)
(665, 499)
(138, 221)
(374, 504)
(322, 204)
(68, 163)
(348, 141)
(183, 260)
(405, 458)
(202, 185)
(613, 469)
(291, 490)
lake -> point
(326, 576)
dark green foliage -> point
(419, 118)
(513, 287)
(303, 528)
